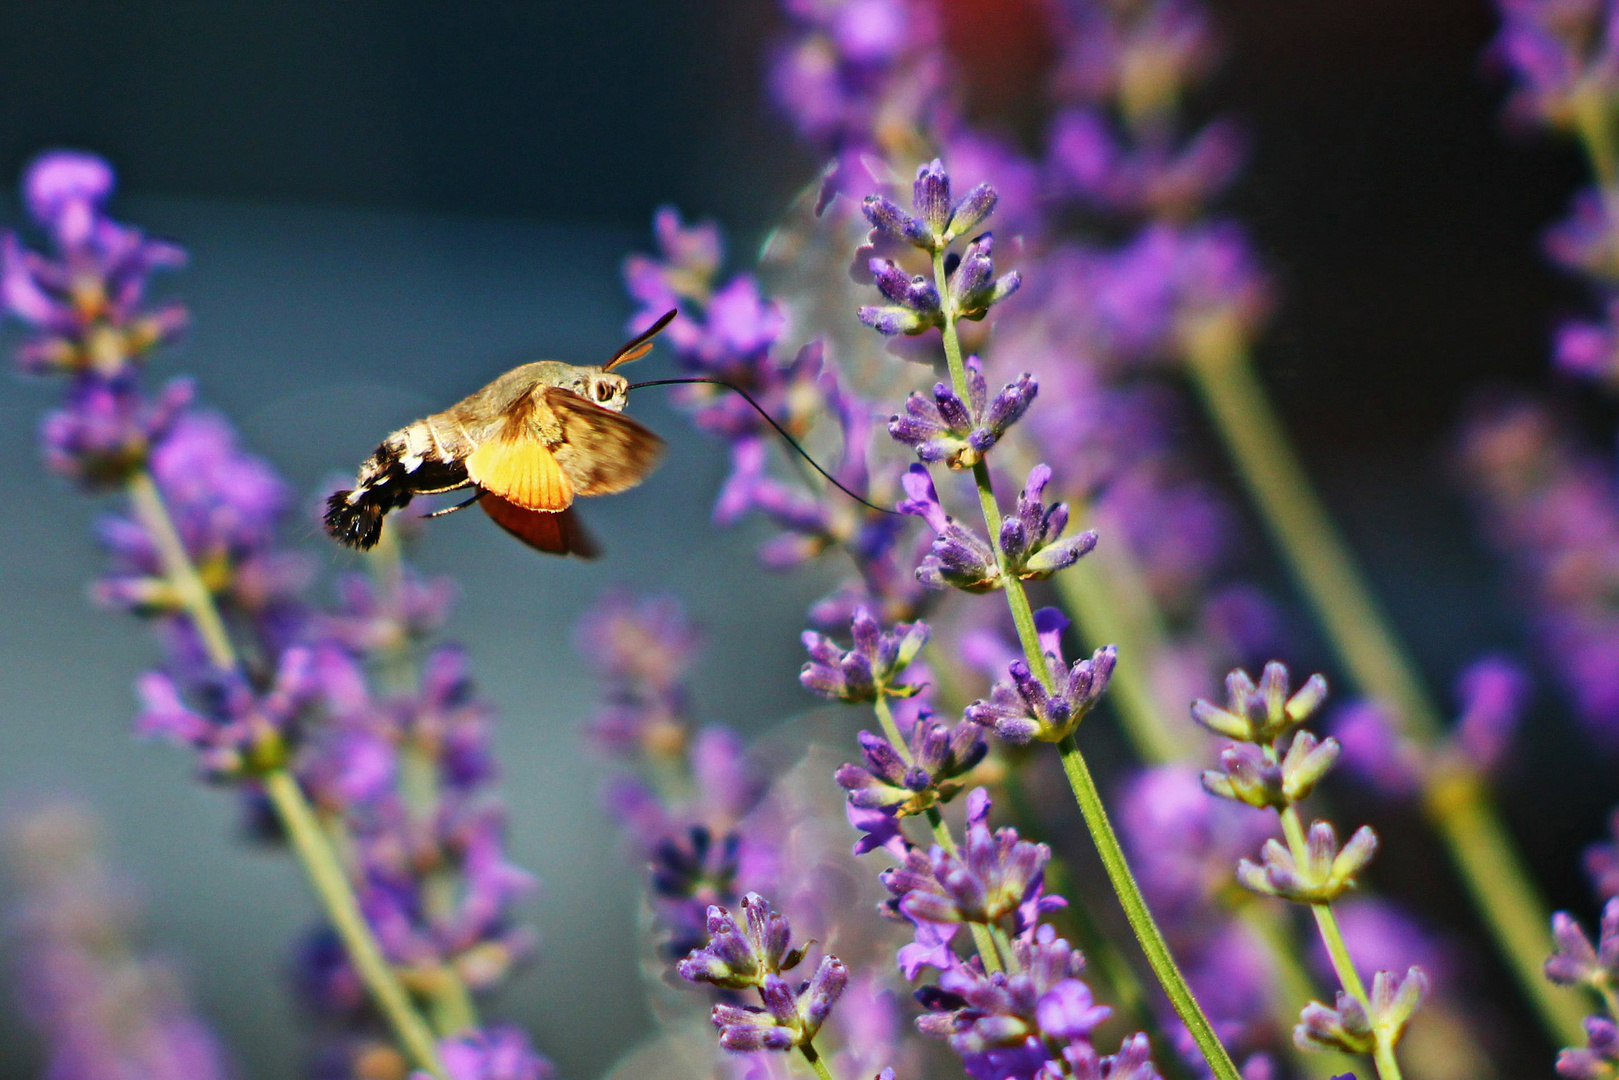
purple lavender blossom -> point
(959, 433)
(754, 954)
(1325, 873)
(958, 557)
(1031, 536)
(1598, 1059)
(1579, 963)
(1350, 1026)
(496, 1053)
(790, 1017)
(1551, 509)
(924, 775)
(1010, 1024)
(995, 875)
(87, 306)
(1023, 708)
(871, 667)
(738, 956)
(1563, 57)
(236, 732)
(1261, 713)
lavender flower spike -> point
(937, 220)
(737, 957)
(871, 667)
(1021, 709)
(1029, 535)
(959, 433)
(1599, 1059)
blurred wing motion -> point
(559, 533)
(601, 452)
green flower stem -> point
(1140, 918)
(449, 1001)
(1102, 616)
(1328, 575)
(1326, 921)
(941, 832)
(1079, 777)
(297, 817)
(180, 571)
(807, 1048)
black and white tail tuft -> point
(357, 523)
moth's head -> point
(599, 387)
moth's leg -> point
(448, 510)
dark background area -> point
(371, 187)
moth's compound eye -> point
(604, 391)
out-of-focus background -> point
(388, 203)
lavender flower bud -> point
(973, 208)
(1021, 708)
(958, 557)
(1031, 536)
(737, 957)
(959, 433)
(1598, 1059)
(931, 197)
(887, 217)
(938, 754)
(871, 667)
(1325, 873)
(1261, 714)
(915, 299)
(974, 288)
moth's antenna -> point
(771, 420)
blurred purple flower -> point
(496, 1053)
(86, 306)
(104, 1010)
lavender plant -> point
(1276, 764)
(376, 778)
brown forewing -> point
(601, 451)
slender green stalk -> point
(1079, 777)
(810, 1055)
(1136, 911)
(1328, 575)
(449, 1001)
(332, 886)
(1326, 921)
(297, 817)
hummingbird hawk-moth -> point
(530, 442)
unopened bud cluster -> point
(1275, 765)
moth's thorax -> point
(601, 388)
